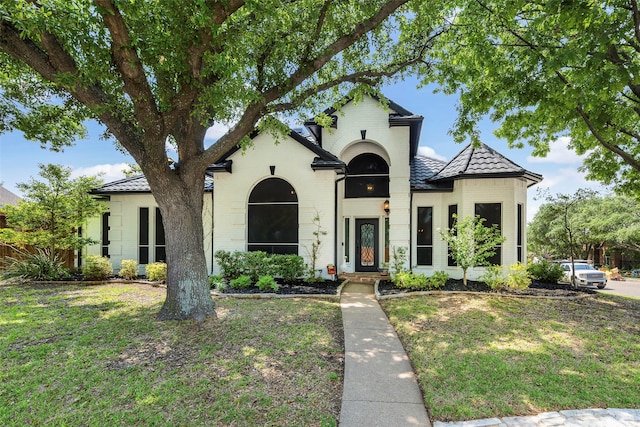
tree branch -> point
(309, 67)
(130, 67)
(629, 159)
(49, 66)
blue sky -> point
(19, 158)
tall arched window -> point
(368, 176)
(273, 217)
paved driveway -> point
(627, 287)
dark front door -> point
(367, 244)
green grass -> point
(488, 356)
(96, 355)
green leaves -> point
(547, 69)
(52, 210)
(471, 243)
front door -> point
(367, 244)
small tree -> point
(314, 250)
(52, 210)
(564, 207)
(471, 243)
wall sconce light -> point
(363, 134)
(272, 169)
(369, 188)
(385, 206)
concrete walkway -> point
(380, 388)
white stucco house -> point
(362, 177)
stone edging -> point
(418, 293)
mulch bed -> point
(536, 288)
(297, 287)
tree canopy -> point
(52, 211)
(609, 222)
(545, 69)
(158, 71)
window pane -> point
(367, 186)
(425, 256)
(368, 176)
(491, 212)
(425, 226)
(273, 223)
(159, 229)
(144, 227)
(143, 255)
(368, 164)
(273, 190)
(161, 254)
(346, 239)
(453, 210)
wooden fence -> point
(67, 256)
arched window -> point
(368, 176)
(273, 217)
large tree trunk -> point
(188, 293)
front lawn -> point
(96, 355)
(487, 356)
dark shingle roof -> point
(482, 162)
(138, 184)
(422, 169)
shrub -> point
(217, 282)
(227, 262)
(252, 264)
(493, 277)
(129, 269)
(438, 279)
(406, 280)
(289, 267)
(241, 282)
(398, 259)
(97, 268)
(156, 271)
(518, 277)
(255, 264)
(35, 266)
(545, 271)
(267, 282)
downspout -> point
(410, 228)
(335, 221)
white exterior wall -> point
(292, 161)
(390, 143)
(509, 192)
(124, 222)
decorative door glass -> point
(367, 242)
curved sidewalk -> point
(380, 388)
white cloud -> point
(559, 153)
(423, 150)
(565, 180)
(111, 172)
(216, 131)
